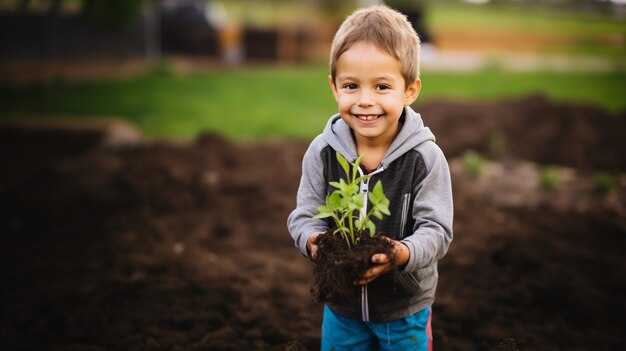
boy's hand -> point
(383, 263)
(311, 246)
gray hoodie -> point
(416, 179)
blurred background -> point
(151, 153)
(173, 67)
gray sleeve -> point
(311, 195)
(432, 210)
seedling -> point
(473, 163)
(603, 183)
(549, 178)
(344, 204)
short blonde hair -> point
(384, 27)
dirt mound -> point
(533, 129)
(164, 246)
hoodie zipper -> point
(365, 311)
(406, 198)
(364, 190)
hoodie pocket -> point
(406, 204)
(407, 282)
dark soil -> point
(532, 128)
(163, 246)
(338, 266)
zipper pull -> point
(364, 190)
(364, 187)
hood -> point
(412, 133)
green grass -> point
(606, 89)
(241, 104)
(285, 102)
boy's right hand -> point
(311, 246)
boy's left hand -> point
(383, 263)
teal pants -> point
(410, 333)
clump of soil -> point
(508, 345)
(339, 266)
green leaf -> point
(344, 203)
(354, 188)
(373, 199)
(378, 190)
(358, 200)
(355, 202)
(344, 164)
(357, 163)
(384, 208)
(335, 184)
(334, 200)
(323, 215)
(360, 179)
(386, 211)
(341, 230)
(347, 189)
(371, 227)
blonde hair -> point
(384, 27)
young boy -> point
(374, 79)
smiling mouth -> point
(369, 117)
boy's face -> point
(371, 92)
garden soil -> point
(184, 246)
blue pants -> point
(410, 333)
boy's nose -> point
(365, 98)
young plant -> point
(549, 178)
(603, 183)
(344, 204)
(473, 163)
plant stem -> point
(351, 228)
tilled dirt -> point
(163, 246)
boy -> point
(374, 79)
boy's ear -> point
(412, 91)
(332, 86)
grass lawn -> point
(606, 89)
(284, 102)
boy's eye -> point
(382, 87)
(349, 86)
